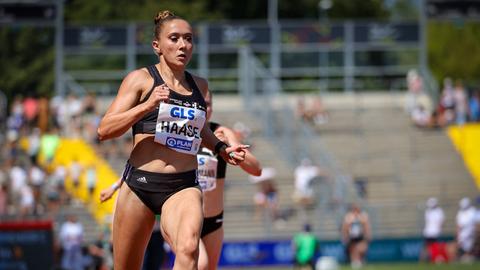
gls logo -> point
(182, 113)
(179, 143)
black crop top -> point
(147, 124)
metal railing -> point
(336, 56)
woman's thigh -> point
(182, 217)
(132, 227)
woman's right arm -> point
(124, 111)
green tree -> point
(404, 10)
(27, 58)
(454, 51)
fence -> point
(303, 55)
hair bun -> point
(162, 15)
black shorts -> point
(355, 240)
(153, 189)
(211, 224)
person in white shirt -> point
(304, 174)
(434, 220)
(465, 229)
(71, 239)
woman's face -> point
(175, 43)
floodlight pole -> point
(423, 37)
(274, 38)
(59, 30)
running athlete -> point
(211, 174)
(356, 234)
(164, 106)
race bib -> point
(207, 171)
(179, 128)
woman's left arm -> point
(250, 165)
(231, 154)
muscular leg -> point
(213, 248)
(132, 227)
(181, 224)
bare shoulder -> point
(140, 75)
(138, 80)
(201, 83)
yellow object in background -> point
(466, 139)
(71, 150)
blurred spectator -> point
(43, 114)
(434, 219)
(304, 174)
(91, 176)
(461, 106)
(18, 179)
(465, 229)
(355, 235)
(266, 196)
(301, 108)
(446, 108)
(74, 110)
(34, 144)
(49, 144)
(75, 170)
(474, 106)
(361, 186)
(314, 113)
(305, 246)
(30, 110)
(37, 180)
(71, 239)
(27, 201)
(58, 179)
(414, 89)
(421, 117)
(318, 111)
(15, 120)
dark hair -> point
(162, 17)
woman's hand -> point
(106, 194)
(234, 154)
(159, 94)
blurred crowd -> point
(32, 189)
(456, 103)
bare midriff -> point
(150, 156)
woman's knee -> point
(187, 245)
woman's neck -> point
(171, 77)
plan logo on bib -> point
(179, 143)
